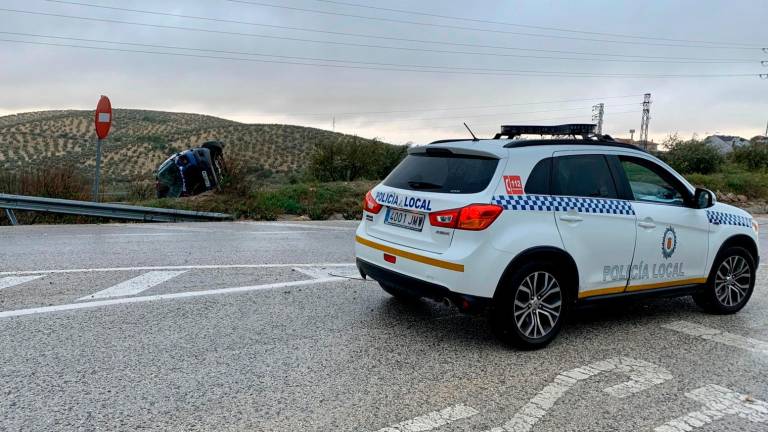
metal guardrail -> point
(111, 211)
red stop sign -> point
(103, 118)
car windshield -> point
(169, 176)
(444, 173)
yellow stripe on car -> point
(411, 256)
(645, 287)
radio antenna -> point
(474, 138)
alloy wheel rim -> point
(732, 280)
(538, 304)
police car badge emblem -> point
(668, 243)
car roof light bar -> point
(573, 129)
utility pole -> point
(766, 129)
(646, 119)
(334, 124)
(597, 116)
(632, 135)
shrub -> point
(735, 179)
(753, 156)
(692, 156)
(50, 183)
(353, 159)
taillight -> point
(474, 217)
(478, 217)
(370, 205)
(445, 219)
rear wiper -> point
(424, 185)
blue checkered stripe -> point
(563, 203)
(722, 218)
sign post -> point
(103, 121)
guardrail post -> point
(11, 216)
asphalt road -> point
(247, 326)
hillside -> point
(140, 140)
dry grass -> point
(140, 140)
(51, 183)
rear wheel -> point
(399, 293)
(730, 284)
(529, 310)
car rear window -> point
(443, 173)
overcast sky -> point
(476, 86)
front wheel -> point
(730, 283)
(529, 310)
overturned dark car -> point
(192, 171)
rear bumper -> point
(421, 288)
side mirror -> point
(703, 198)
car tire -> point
(730, 283)
(400, 293)
(526, 303)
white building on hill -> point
(725, 143)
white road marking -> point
(432, 420)
(642, 375)
(187, 267)
(143, 299)
(279, 232)
(8, 282)
(324, 272)
(715, 335)
(135, 285)
(300, 225)
(174, 233)
(125, 234)
(718, 402)
(168, 226)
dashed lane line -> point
(185, 267)
(432, 420)
(720, 336)
(8, 282)
(135, 285)
(151, 298)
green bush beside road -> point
(742, 173)
(316, 201)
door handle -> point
(571, 218)
(647, 225)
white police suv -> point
(533, 227)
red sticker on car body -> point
(514, 185)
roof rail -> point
(596, 140)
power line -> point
(619, 57)
(717, 46)
(458, 126)
(504, 23)
(635, 59)
(638, 104)
(176, 47)
(436, 70)
(476, 106)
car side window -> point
(651, 183)
(538, 181)
(583, 176)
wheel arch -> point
(739, 240)
(546, 253)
